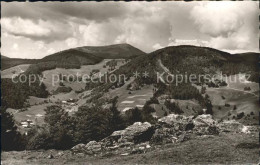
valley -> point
(79, 112)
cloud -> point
(195, 42)
(15, 46)
(42, 28)
(157, 46)
(231, 25)
(71, 42)
(99, 33)
(64, 10)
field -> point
(136, 98)
(35, 111)
(230, 148)
(225, 98)
(16, 70)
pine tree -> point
(11, 139)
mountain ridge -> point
(86, 55)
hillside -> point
(76, 57)
(89, 55)
(140, 116)
(194, 60)
(112, 51)
(230, 143)
(248, 57)
(185, 60)
(11, 62)
(4, 57)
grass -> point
(84, 70)
(244, 102)
(223, 149)
(16, 70)
(137, 97)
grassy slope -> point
(16, 70)
(11, 62)
(201, 150)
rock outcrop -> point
(142, 137)
(136, 133)
(90, 148)
(205, 125)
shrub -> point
(247, 89)
(223, 83)
(173, 107)
(63, 90)
(61, 84)
(240, 115)
(153, 100)
(11, 139)
(227, 105)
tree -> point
(208, 105)
(11, 139)
(203, 90)
(91, 123)
(116, 121)
(133, 115)
(55, 134)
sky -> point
(34, 30)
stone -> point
(205, 125)
(78, 147)
(50, 156)
(124, 154)
(178, 122)
(235, 126)
(136, 133)
(90, 148)
(183, 137)
(204, 120)
(163, 136)
(93, 146)
(148, 146)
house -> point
(27, 123)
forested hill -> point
(75, 57)
(195, 60)
(7, 62)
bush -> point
(63, 90)
(173, 107)
(247, 89)
(223, 83)
(153, 100)
(11, 139)
(240, 115)
(137, 115)
(61, 84)
(227, 105)
(203, 90)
